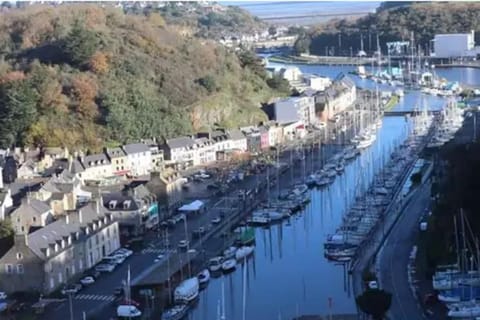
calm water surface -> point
(289, 275)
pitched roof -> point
(135, 148)
(236, 134)
(75, 167)
(55, 231)
(31, 207)
(116, 152)
(95, 160)
(117, 201)
(180, 142)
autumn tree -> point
(84, 90)
(99, 63)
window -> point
(80, 264)
(60, 277)
(34, 219)
(52, 283)
(20, 268)
(19, 256)
(108, 233)
(96, 239)
(23, 229)
(8, 268)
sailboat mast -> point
(457, 244)
(244, 302)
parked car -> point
(93, 273)
(3, 295)
(124, 251)
(216, 220)
(128, 311)
(105, 267)
(373, 284)
(71, 289)
(87, 281)
(183, 244)
(113, 260)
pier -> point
(409, 113)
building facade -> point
(49, 257)
(295, 109)
(139, 158)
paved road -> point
(394, 258)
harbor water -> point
(288, 274)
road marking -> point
(97, 297)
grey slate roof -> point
(53, 232)
(95, 160)
(117, 201)
(181, 142)
(236, 134)
(115, 152)
(31, 207)
(76, 167)
(135, 148)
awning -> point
(194, 206)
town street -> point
(394, 257)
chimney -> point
(80, 216)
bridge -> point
(409, 113)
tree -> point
(272, 30)
(375, 303)
(279, 84)
(208, 82)
(80, 44)
(17, 111)
(302, 45)
(99, 63)
(6, 229)
(84, 90)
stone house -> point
(31, 213)
(119, 161)
(46, 259)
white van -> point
(128, 311)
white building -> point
(454, 45)
(316, 82)
(139, 158)
(291, 73)
(205, 152)
(295, 109)
(97, 167)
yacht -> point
(187, 291)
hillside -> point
(86, 76)
(208, 20)
(393, 23)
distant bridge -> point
(410, 113)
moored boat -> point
(244, 252)
(187, 291)
(203, 277)
(177, 312)
(215, 264)
(229, 265)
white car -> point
(71, 289)
(126, 252)
(105, 267)
(87, 281)
(373, 285)
(183, 244)
(3, 296)
(216, 220)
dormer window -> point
(47, 252)
(126, 204)
(56, 247)
(105, 220)
(19, 256)
(87, 230)
(63, 243)
(94, 226)
(77, 236)
(69, 240)
(112, 204)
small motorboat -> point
(203, 277)
(244, 252)
(215, 264)
(187, 291)
(229, 265)
(229, 253)
(177, 312)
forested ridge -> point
(85, 76)
(392, 22)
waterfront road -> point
(393, 258)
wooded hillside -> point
(393, 23)
(86, 76)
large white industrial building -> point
(454, 45)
